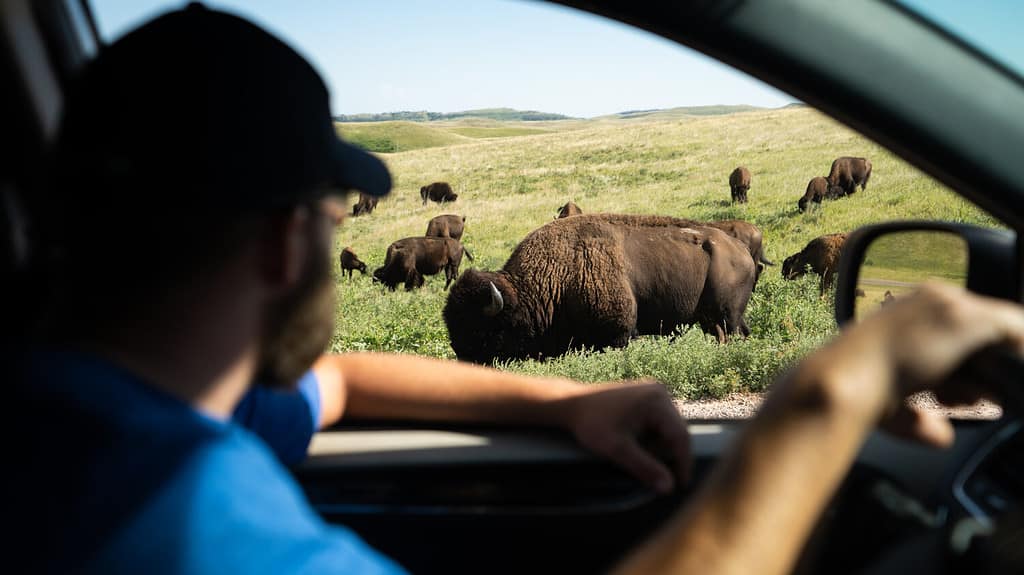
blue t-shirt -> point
(122, 478)
(285, 419)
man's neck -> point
(201, 351)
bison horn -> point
(496, 304)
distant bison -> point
(821, 254)
(586, 281)
(408, 260)
(439, 192)
(817, 190)
(739, 183)
(350, 261)
(365, 205)
(569, 209)
(747, 233)
(846, 174)
(887, 299)
(446, 226)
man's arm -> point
(756, 510)
(608, 418)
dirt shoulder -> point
(744, 405)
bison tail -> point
(468, 255)
(766, 261)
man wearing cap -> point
(194, 162)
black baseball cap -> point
(199, 108)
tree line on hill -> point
(507, 114)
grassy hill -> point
(511, 185)
(397, 136)
(681, 112)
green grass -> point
(396, 136)
(511, 185)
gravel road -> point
(743, 405)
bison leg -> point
(720, 334)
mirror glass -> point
(896, 263)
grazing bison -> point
(586, 281)
(821, 254)
(569, 209)
(409, 259)
(817, 190)
(365, 205)
(846, 174)
(739, 183)
(439, 192)
(350, 261)
(446, 226)
(747, 233)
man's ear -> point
(286, 247)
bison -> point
(846, 174)
(739, 183)
(408, 260)
(816, 191)
(350, 261)
(569, 209)
(446, 226)
(887, 299)
(586, 281)
(821, 254)
(365, 205)
(439, 192)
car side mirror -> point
(879, 263)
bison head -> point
(793, 267)
(380, 277)
(802, 203)
(423, 194)
(481, 316)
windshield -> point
(500, 113)
(991, 26)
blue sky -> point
(447, 56)
(390, 55)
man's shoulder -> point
(234, 508)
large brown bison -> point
(846, 174)
(350, 261)
(821, 254)
(569, 209)
(365, 205)
(747, 233)
(409, 259)
(586, 281)
(739, 183)
(439, 192)
(446, 226)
